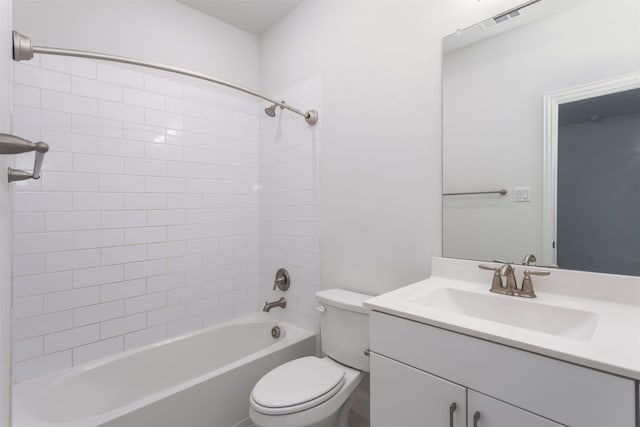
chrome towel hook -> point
(11, 144)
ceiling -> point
(254, 16)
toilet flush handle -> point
(321, 308)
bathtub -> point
(195, 380)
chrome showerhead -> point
(271, 111)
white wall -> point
(161, 31)
(380, 168)
(493, 121)
(6, 73)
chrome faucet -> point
(269, 305)
(507, 271)
(531, 258)
(497, 284)
(511, 287)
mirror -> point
(540, 125)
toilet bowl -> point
(316, 391)
(306, 392)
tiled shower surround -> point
(290, 206)
(146, 221)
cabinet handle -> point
(452, 409)
(476, 418)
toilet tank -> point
(344, 327)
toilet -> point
(316, 391)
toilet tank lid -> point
(346, 300)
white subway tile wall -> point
(290, 206)
(145, 223)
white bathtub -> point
(195, 380)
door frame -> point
(551, 104)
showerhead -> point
(271, 111)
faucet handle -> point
(282, 280)
(496, 282)
(526, 290)
(537, 273)
(546, 266)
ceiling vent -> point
(505, 17)
(491, 22)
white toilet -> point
(313, 391)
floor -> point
(357, 420)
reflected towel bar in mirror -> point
(502, 192)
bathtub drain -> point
(275, 332)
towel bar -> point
(11, 144)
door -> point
(591, 208)
(402, 396)
(598, 196)
(485, 411)
(6, 67)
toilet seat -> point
(297, 386)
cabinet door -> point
(402, 396)
(485, 411)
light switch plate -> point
(522, 194)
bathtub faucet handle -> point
(282, 280)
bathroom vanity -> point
(446, 351)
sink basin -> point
(512, 311)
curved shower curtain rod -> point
(23, 50)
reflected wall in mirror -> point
(499, 78)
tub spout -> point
(269, 305)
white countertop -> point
(613, 347)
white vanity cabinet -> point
(407, 397)
(417, 370)
(403, 396)
(485, 411)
